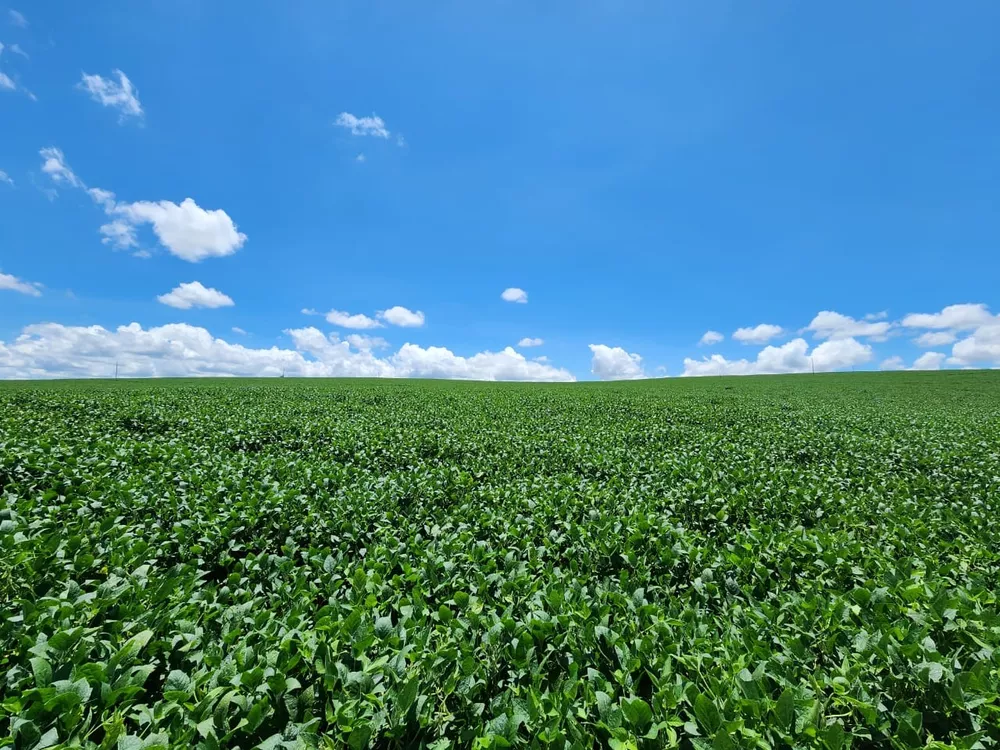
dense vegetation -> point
(801, 561)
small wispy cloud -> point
(4, 177)
(120, 94)
(17, 18)
(514, 294)
(373, 126)
(710, 338)
(14, 284)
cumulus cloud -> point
(892, 363)
(709, 338)
(962, 317)
(881, 315)
(4, 177)
(14, 284)
(401, 316)
(373, 126)
(195, 294)
(120, 94)
(513, 294)
(527, 341)
(929, 361)
(934, 338)
(17, 18)
(347, 320)
(614, 363)
(186, 230)
(7, 83)
(178, 349)
(794, 356)
(366, 343)
(832, 325)
(760, 334)
(980, 348)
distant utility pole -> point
(813, 365)
(116, 371)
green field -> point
(788, 561)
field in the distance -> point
(802, 561)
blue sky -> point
(645, 172)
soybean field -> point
(767, 562)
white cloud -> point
(4, 177)
(709, 338)
(16, 49)
(934, 338)
(187, 230)
(102, 197)
(309, 311)
(892, 363)
(120, 95)
(374, 125)
(400, 316)
(6, 82)
(438, 362)
(614, 363)
(528, 341)
(119, 234)
(793, 356)
(929, 361)
(360, 157)
(178, 349)
(760, 334)
(195, 294)
(14, 284)
(347, 320)
(55, 166)
(542, 358)
(832, 325)
(955, 317)
(881, 315)
(364, 343)
(982, 347)
(240, 331)
(513, 294)
(17, 18)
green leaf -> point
(383, 627)
(785, 710)
(637, 712)
(933, 670)
(834, 737)
(48, 739)
(42, 671)
(359, 737)
(707, 713)
(178, 687)
(206, 728)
